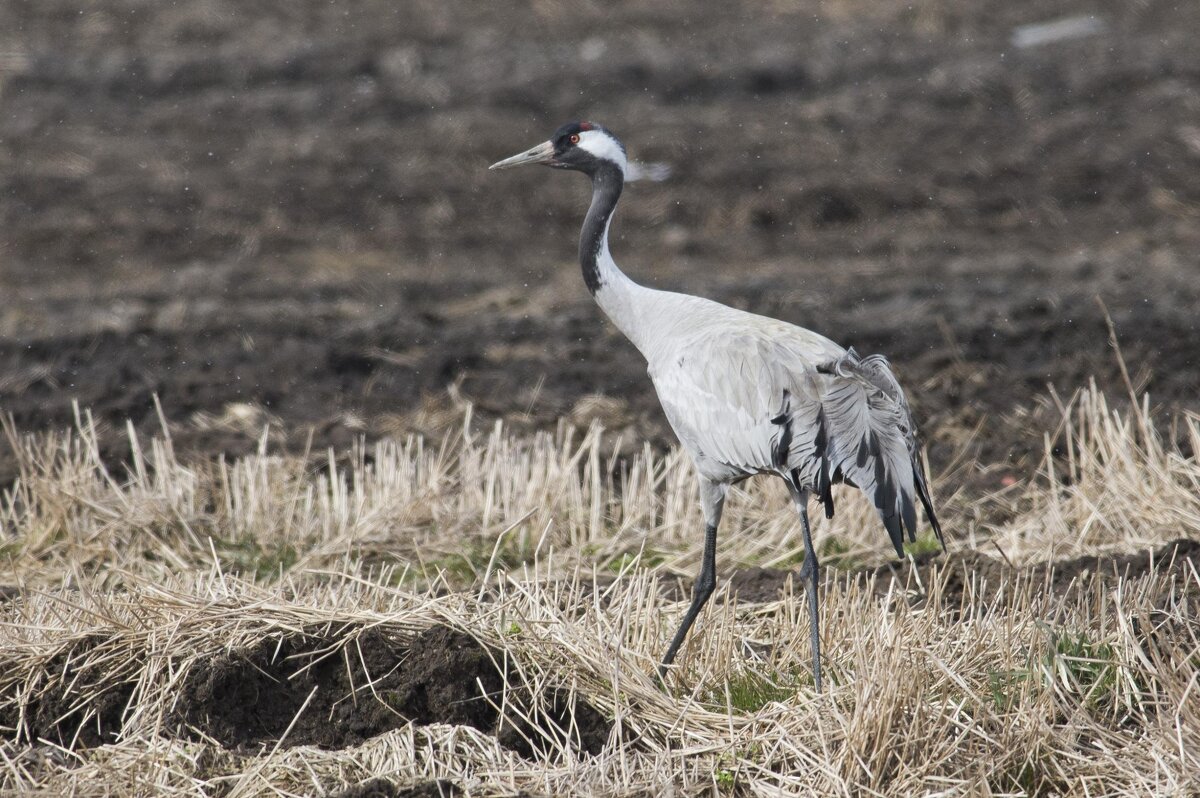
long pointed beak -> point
(542, 153)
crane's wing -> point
(721, 390)
(748, 402)
(869, 440)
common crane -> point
(748, 394)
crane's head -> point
(582, 146)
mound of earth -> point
(335, 690)
(76, 705)
(328, 687)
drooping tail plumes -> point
(865, 437)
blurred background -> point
(278, 212)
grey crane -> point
(748, 394)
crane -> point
(748, 394)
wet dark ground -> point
(280, 212)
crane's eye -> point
(574, 138)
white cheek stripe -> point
(602, 145)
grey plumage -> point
(748, 394)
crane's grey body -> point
(748, 394)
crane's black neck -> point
(607, 181)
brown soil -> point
(279, 212)
(58, 715)
(361, 688)
(367, 686)
(334, 688)
(382, 788)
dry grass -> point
(1009, 691)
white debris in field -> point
(1190, 136)
(1066, 28)
(655, 172)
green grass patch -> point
(838, 553)
(923, 545)
(1088, 668)
(249, 557)
(747, 692)
(790, 562)
(1073, 663)
(645, 558)
(832, 551)
(1006, 687)
(470, 563)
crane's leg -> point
(809, 572)
(712, 499)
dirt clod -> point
(365, 687)
(335, 688)
(382, 788)
(563, 718)
(78, 703)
